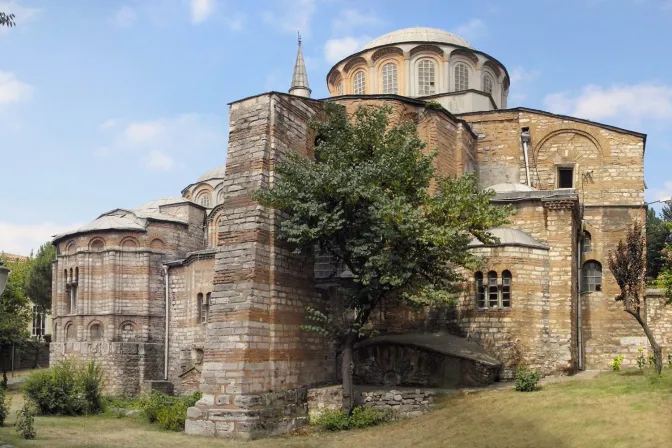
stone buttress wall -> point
(254, 344)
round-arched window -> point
(461, 77)
(204, 199)
(390, 84)
(487, 83)
(591, 276)
(95, 332)
(339, 89)
(359, 83)
(426, 77)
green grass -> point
(614, 410)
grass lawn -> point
(624, 409)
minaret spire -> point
(300, 78)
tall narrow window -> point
(487, 83)
(586, 242)
(506, 289)
(566, 177)
(39, 321)
(461, 77)
(95, 332)
(339, 89)
(70, 333)
(591, 278)
(480, 290)
(390, 84)
(359, 87)
(204, 309)
(426, 77)
(199, 307)
(493, 290)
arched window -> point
(359, 84)
(591, 278)
(339, 89)
(220, 196)
(461, 77)
(390, 84)
(487, 83)
(426, 77)
(586, 242)
(493, 290)
(480, 290)
(204, 199)
(70, 333)
(506, 289)
(95, 332)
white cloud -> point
(20, 239)
(656, 194)
(23, 14)
(647, 101)
(474, 29)
(159, 161)
(12, 90)
(520, 78)
(351, 19)
(107, 124)
(520, 74)
(236, 21)
(124, 17)
(201, 10)
(294, 15)
(159, 143)
(337, 49)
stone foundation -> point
(404, 403)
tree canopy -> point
(371, 200)
(657, 234)
(39, 278)
(7, 19)
(15, 314)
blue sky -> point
(107, 104)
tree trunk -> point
(657, 351)
(347, 368)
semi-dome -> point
(510, 187)
(510, 237)
(215, 173)
(418, 34)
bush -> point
(361, 417)
(5, 402)
(641, 359)
(66, 389)
(616, 363)
(526, 379)
(25, 422)
(169, 412)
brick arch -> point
(70, 247)
(600, 142)
(128, 330)
(90, 327)
(494, 67)
(129, 242)
(157, 243)
(70, 325)
(334, 77)
(96, 244)
(427, 49)
(353, 62)
(465, 53)
(385, 52)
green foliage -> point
(5, 403)
(66, 389)
(526, 379)
(434, 105)
(657, 234)
(669, 360)
(7, 20)
(15, 313)
(168, 411)
(641, 359)
(25, 422)
(3, 382)
(39, 280)
(616, 363)
(361, 417)
(365, 200)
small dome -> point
(510, 188)
(418, 34)
(510, 237)
(215, 173)
(156, 203)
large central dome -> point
(418, 34)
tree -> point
(39, 279)
(657, 233)
(667, 212)
(365, 200)
(628, 265)
(7, 19)
(15, 314)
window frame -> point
(558, 182)
(589, 272)
(488, 77)
(493, 292)
(394, 81)
(586, 242)
(456, 78)
(479, 287)
(359, 74)
(431, 77)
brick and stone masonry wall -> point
(261, 287)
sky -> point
(109, 104)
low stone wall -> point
(402, 403)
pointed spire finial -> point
(299, 85)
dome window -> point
(426, 77)
(461, 77)
(204, 199)
(359, 87)
(487, 84)
(339, 89)
(390, 84)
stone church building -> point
(196, 291)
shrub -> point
(669, 360)
(3, 382)
(25, 422)
(526, 379)
(361, 417)
(616, 363)
(641, 359)
(169, 412)
(5, 402)
(66, 389)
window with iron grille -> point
(591, 276)
(487, 83)
(390, 84)
(480, 290)
(359, 87)
(426, 77)
(461, 77)
(491, 293)
(586, 242)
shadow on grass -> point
(631, 373)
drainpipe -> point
(579, 324)
(525, 137)
(165, 341)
